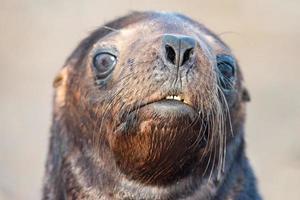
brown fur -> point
(107, 141)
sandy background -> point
(37, 36)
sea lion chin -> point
(162, 137)
(149, 106)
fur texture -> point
(101, 149)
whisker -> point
(111, 29)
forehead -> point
(154, 26)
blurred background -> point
(36, 36)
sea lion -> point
(149, 106)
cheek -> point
(231, 98)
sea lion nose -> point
(178, 48)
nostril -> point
(186, 56)
(170, 54)
(178, 49)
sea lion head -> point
(156, 95)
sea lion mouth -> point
(170, 111)
(167, 107)
(169, 101)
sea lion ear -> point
(60, 78)
(60, 85)
(245, 95)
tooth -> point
(177, 98)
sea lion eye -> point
(103, 64)
(226, 69)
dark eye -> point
(226, 68)
(104, 64)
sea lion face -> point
(159, 94)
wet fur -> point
(81, 165)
